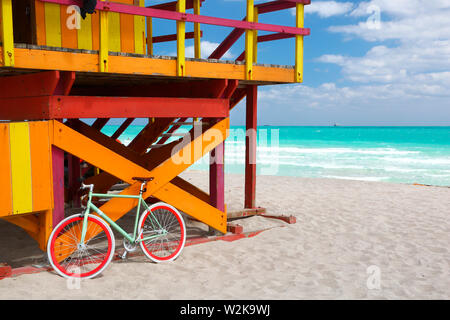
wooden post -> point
(250, 146)
(249, 43)
(181, 37)
(197, 31)
(299, 43)
(217, 177)
(74, 184)
(104, 42)
(149, 36)
(7, 33)
(58, 184)
(255, 36)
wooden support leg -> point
(250, 147)
(74, 179)
(58, 184)
(45, 228)
(217, 179)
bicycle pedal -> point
(124, 255)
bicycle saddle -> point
(143, 179)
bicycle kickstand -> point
(124, 255)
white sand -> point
(343, 227)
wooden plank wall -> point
(126, 32)
(25, 167)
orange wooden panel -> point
(29, 223)
(127, 29)
(41, 176)
(193, 206)
(5, 171)
(95, 18)
(40, 22)
(85, 62)
(69, 38)
(54, 60)
(45, 228)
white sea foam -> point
(358, 178)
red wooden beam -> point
(227, 43)
(171, 130)
(173, 37)
(279, 5)
(237, 33)
(122, 128)
(29, 85)
(189, 89)
(69, 107)
(265, 38)
(250, 147)
(100, 123)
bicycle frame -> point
(91, 207)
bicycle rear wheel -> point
(71, 259)
(165, 227)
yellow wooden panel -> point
(7, 36)
(139, 31)
(53, 24)
(41, 166)
(85, 33)
(103, 57)
(114, 31)
(5, 171)
(21, 167)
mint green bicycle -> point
(82, 245)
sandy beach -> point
(352, 240)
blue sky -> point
(374, 62)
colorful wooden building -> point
(56, 69)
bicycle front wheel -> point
(163, 232)
(72, 259)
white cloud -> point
(207, 48)
(412, 72)
(326, 9)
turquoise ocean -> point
(389, 154)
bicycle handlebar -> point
(88, 186)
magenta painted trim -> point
(188, 17)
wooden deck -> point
(124, 66)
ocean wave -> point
(358, 178)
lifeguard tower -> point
(53, 75)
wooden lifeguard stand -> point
(56, 69)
